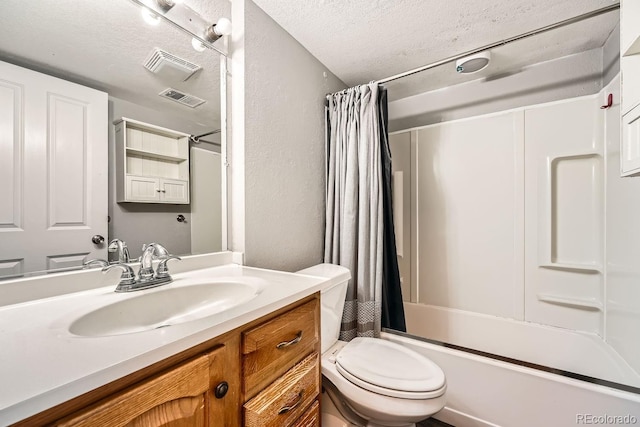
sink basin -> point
(162, 307)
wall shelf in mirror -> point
(152, 163)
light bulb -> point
(150, 17)
(223, 27)
(198, 45)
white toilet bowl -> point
(379, 382)
(375, 391)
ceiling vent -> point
(167, 65)
(182, 98)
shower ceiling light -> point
(473, 63)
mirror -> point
(103, 45)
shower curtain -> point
(357, 229)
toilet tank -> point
(332, 298)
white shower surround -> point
(596, 340)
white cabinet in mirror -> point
(152, 163)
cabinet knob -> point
(221, 390)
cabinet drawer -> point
(284, 401)
(311, 417)
(272, 348)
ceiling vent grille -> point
(163, 63)
(182, 98)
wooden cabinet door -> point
(176, 398)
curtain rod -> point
(195, 139)
(566, 22)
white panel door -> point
(53, 171)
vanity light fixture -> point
(217, 30)
(183, 17)
(166, 5)
(198, 45)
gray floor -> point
(432, 422)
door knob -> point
(97, 239)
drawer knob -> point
(221, 390)
(290, 408)
(296, 340)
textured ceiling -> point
(103, 44)
(365, 40)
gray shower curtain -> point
(355, 220)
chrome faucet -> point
(146, 277)
(120, 248)
(149, 253)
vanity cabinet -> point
(281, 368)
(152, 163)
(630, 69)
(265, 373)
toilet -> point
(370, 381)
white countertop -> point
(42, 364)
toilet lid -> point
(390, 369)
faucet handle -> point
(127, 279)
(162, 271)
(97, 262)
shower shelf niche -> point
(581, 303)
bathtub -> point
(483, 391)
(577, 352)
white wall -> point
(611, 56)
(567, 77)
(278, 146)
(623, 245)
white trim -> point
(495, 113)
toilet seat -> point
(389, 369)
